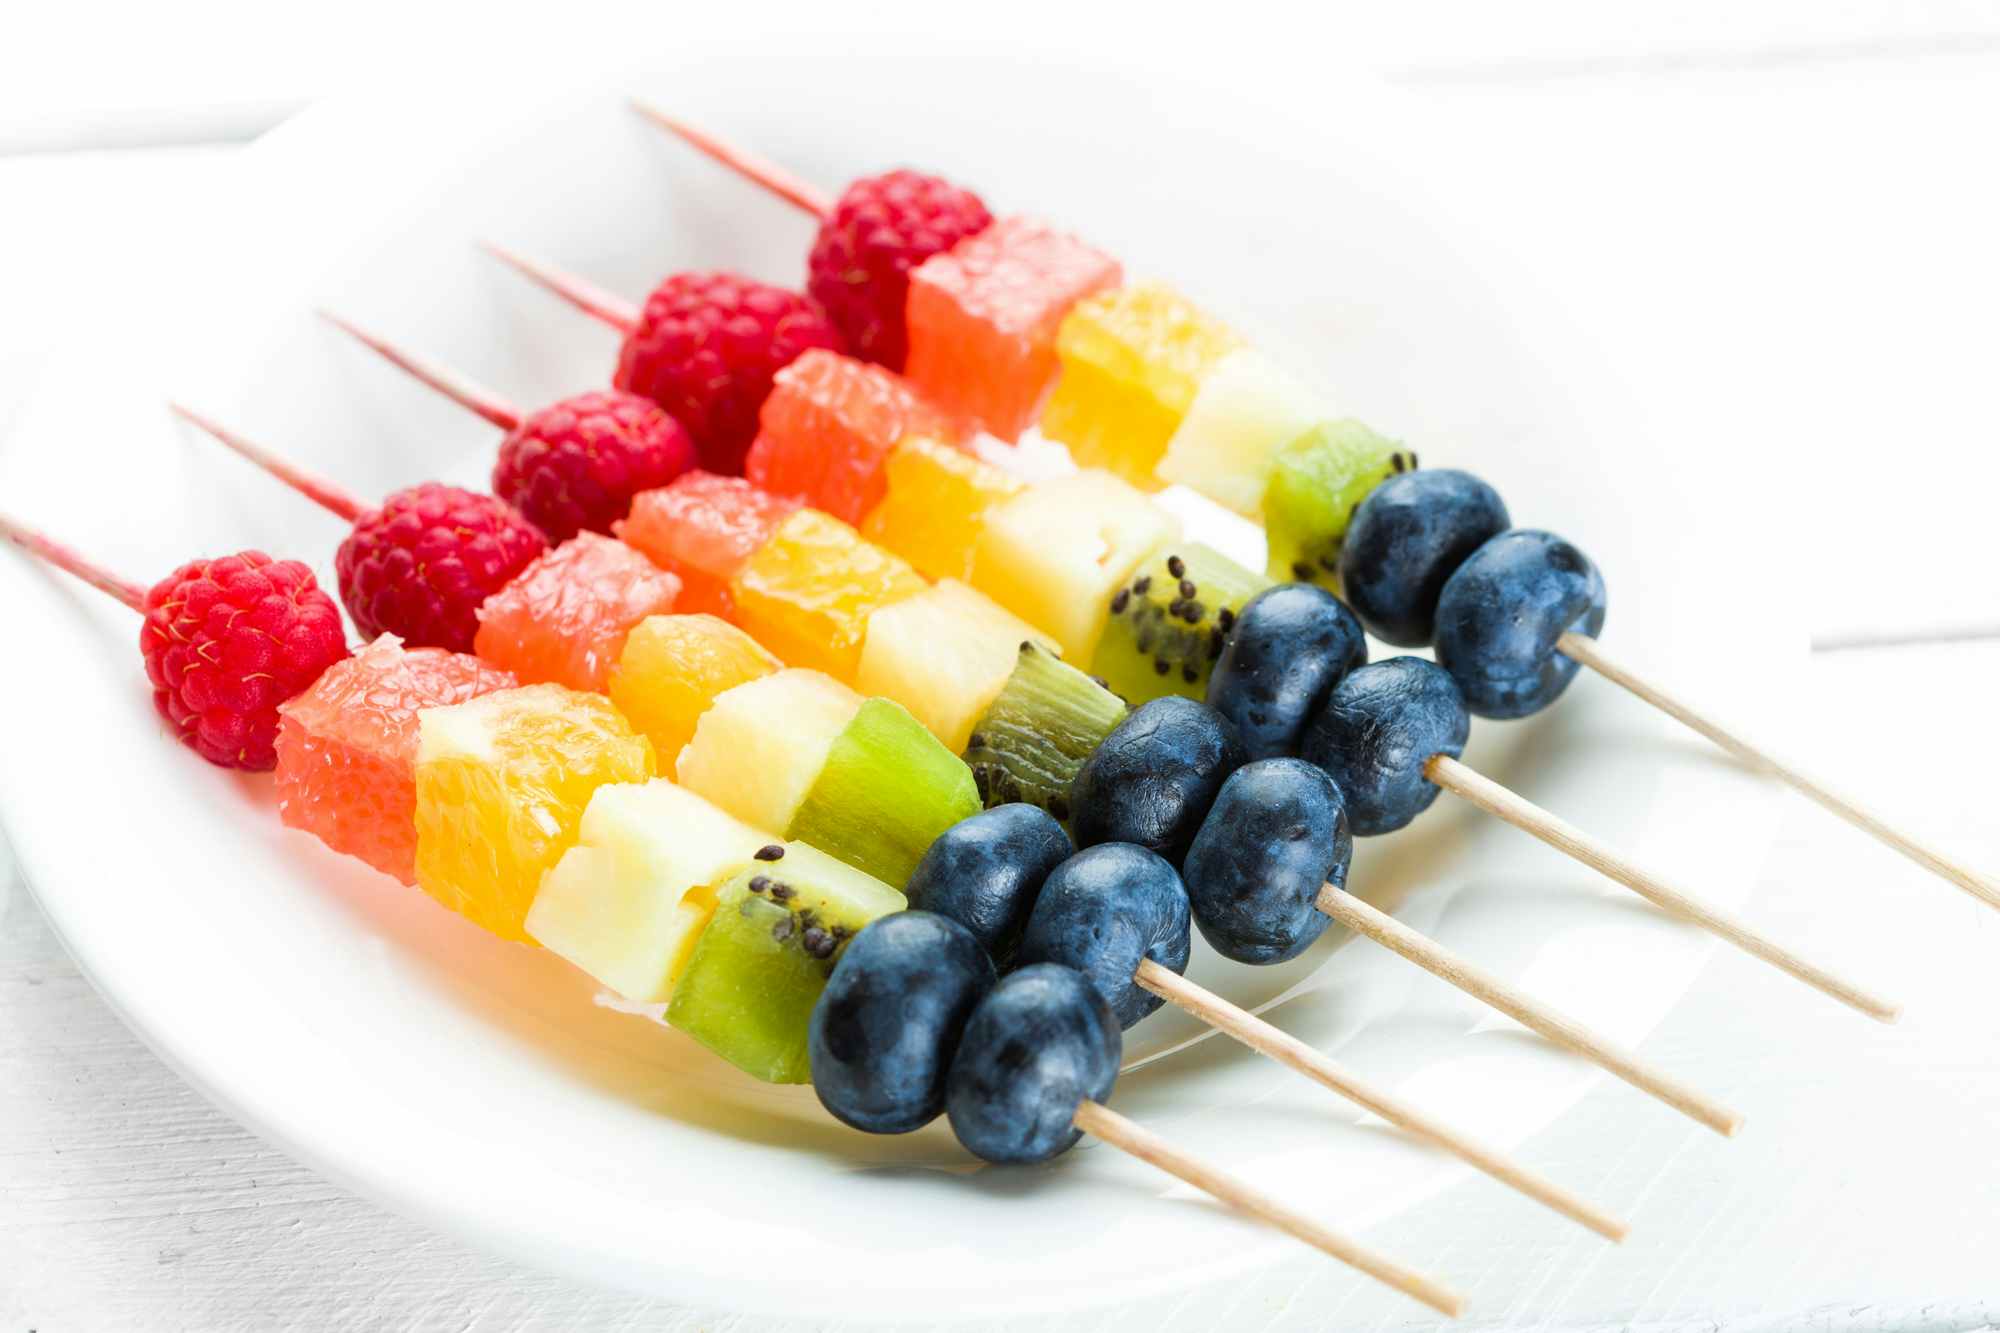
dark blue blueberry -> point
(1290, 644)
(1039, 1045)
(1102, 911)
(1500, 616)
(884, 1029)
(1404, 542)
(1152, 779)
(1277, 832)
(984, 872)
(1378, 729)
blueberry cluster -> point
(1229, 815)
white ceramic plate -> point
(477, 1084)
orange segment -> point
(501, 784)
(673, 667)
(827, 427)
(1132, 361)
(983, 317)
(347, 747)
(808, 593)
(935, 501)
(702, 528)
(565, 617)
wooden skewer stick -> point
(473, 397)
(44, 547)
(1289, 1051)
(317, 489)
(1387, 931)
(1587, 651)
(800, 194)
(592, 300)
(1099, 1120)
(1572, 841)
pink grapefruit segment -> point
(563, 620)
(702, 528)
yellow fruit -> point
(628, 901)
(1132, 361)
(1056, 553)
(1248, 407)
(936, 500)
(808, 592)
(502, 782)
(672, 669)
(945, 655)
(760, 747)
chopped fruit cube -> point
(672, 669)
(757, 971)
(885, 793)
(983, 317)
(347, 747)
(936, 501)
(760, 747)
(1169, 622)
(502, 782)
(1132, 362)
(628, 901)
(1246, 408)
(565, 617)
(1317, 482)
(1046, 722)
(943, 654)
(1054, 554)
(828, 426)
(702, 528)
(808, 593)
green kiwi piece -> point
(1317, 482)
(1046, 721)
(886, 792)
(1170, 620)
(779, 927)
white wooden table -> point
(1782, 217)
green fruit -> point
(1317, 482)
(886, 792)
(1168, 624)
(778, 929)
(1046, 722)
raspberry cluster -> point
(420, 566)
(574, 466)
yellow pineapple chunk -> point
(944, 654)
(1056, 553)
(502, 782)
(759, 748)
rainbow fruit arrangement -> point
(765, 689)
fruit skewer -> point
(1156, 979)
(1104, 504)
(1238, 410)
(225, 642)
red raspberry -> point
(420, 566)
(705, 349)
(881, 228)
(577, 464)
(226, 641)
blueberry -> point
(1102, 911)
(1277, 832)
(984, 872)
(1378, 729)
(1152, 779)
(1404, 542)
(884, 1029)
(1289, 646)
(1500, 616)
(1041, 1043)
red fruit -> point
(705, 349)
(702, 528)
(880, 228)
(577, 464)
(420, 566)
(226, 641)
